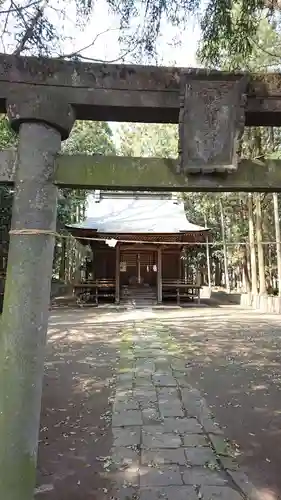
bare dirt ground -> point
(75, 420)
(232, 356)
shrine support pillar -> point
(41, 121)
(179, 266)
(159, 275)
(117, 275)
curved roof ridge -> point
(137, 215)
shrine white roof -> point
(136, 215)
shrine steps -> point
(138, 296)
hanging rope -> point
(35, 232)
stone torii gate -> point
(42, 99)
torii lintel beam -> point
(129, 93)
(135, 174)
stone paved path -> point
(165, 443)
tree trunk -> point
(62, 260)
(217, 273)
(208, 256)
(262, 284)
(278, 239)
(245, 272)
(225, 258)
(252, 245)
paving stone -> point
(125, 456)
(164, 380)
(200, 456)
(164, 476)
(179, 366)
(246, 486)
(126, 477)
(145, 397)
(145, 382)
(168, 393)
(171, 409)
(210, 426)
(195, 440)
(144, 368)
(183, 425)
(182, 381)
(220, 445)
(148, 354)
(126, 418)
(194, 404)
(203, 476)
(129, 404)
(125, 384)
(161, 366)
(124, 376)
(154, 437)
(165, 370)
(183, 373)
(127, 493)
(126, 360)
(150, 416)
(123, 394)
(229, 463)
(146, 404)
(139, 384)
(219, 493)
(131, 436)
(168, 493)
(164, 456)
(153, 385)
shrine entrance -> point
(138, 268)
(43, 98)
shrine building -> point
(137, 243)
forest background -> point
(244, 245)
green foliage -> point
(86, 138)
(89, 138)
(7, 139)
(142, 139)
(227, 25)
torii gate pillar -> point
(42, 121)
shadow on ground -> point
(234, 358)
(75, 422)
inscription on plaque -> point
(211, 121)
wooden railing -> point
(180, 290)
(93, 291)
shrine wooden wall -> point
(104, 263)
(171, 264)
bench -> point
(177, 289)
(106, 288)
(93, 291)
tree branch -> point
(27, 35)
(272, 4)
(265, 51)
(17, 8)
(5, 27)
(77, 52)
